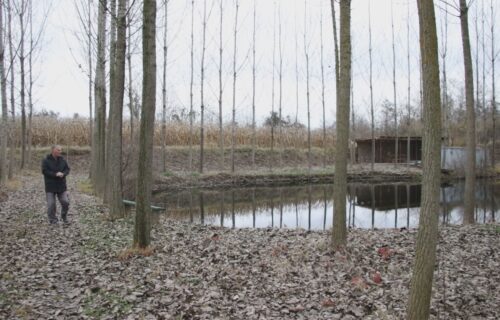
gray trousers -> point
(51, 205)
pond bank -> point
(286, 177)
(204, 272)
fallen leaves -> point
(206, 272)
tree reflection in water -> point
(311, 206)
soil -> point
(86, 270)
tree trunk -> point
(3, 126)
(221, 129)
(322, 87)
(12, 135)
(142, 230)
(116, 115)
(89, 53)
(112, 77)
(306, 52)
(30, 86)
(396, 142)
(339, 230)
(493, 99)
(425, 259)
(233, 121)
(164, 94)
(372, 109)
(191, 115)
(253, 85)
(408, 138)
(100, 101)
(23, 84)
(202, 88)
(470, 169)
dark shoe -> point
(65, 221)
(54, 223)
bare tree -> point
(253, 84)
(21, 11)
(164, 92)
(233, 122)
(408, 102)
(30, 82)
(493, 99)
(191, 112)
(470, 171)
(425, 259)
(396, 143)
(221, 128)
(202, 81)
(4, 123)
(114, 182)
(306, 53)
(142, 231)
(322, 87)
(100, 103)
(339, 230)
(444, 86)
(12, 144)
(372, 111)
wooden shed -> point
(385, 149)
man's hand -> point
(60, 174)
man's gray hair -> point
(55, 146)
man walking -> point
(55, 169)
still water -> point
(311, 207)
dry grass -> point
(76, 132)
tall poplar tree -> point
(339, 230)
(99, 140)
(142, 231)
(4, 119)
(425, 258)
(470, 139)
(114, 178)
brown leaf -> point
(327, 303)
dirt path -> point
(204, 272)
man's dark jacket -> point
(51, 166)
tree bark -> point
(493, 98)
(164, 93)
(3, 126)
(253, 85)
(23, 84)
(191, 83)
(233, 121)
(306, 53)
(339, 230)
(396, 142)
(425, 258)
(100, 102)
(372, 109)
(12, 135)
(116, 115)
(221, 129)
(202, 90)
(142, 232)
(112, 77)
(470, 145)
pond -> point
(310, 207)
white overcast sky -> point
(62, 86)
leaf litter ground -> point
(83, 271)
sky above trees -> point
(62, 84)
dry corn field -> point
(76, 132)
